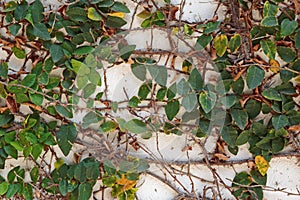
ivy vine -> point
(66, 54)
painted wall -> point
(173, 168)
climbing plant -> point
(66, 53)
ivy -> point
(71, 50)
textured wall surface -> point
(172, 165)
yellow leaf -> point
(186, 66)
(93, 14)
(175, 30)
(144, 14)
(59, 163)
(220, 44)
(116, 14)
(275, 66)
(128, 184)
(262, 165)
(297, 79)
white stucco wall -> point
(284, 173)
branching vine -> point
(234, 80)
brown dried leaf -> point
(12, 104)
(187, 148)
(239, 74)
(35, 107)
(3, 109)
(221, 156)
(294, 128)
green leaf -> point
(195, 80)
(3, 69)
(109, 167)
(259, 129)
(271, 94)
(21, 11)
(27, 191)
(66, 137)
(269, 21)
(211, 27)
(258, 178)
(280, 121)
(63, 111)
(229, 135)
(10, 6)
(139, 71)
(240, 117)
(83, 50)
(114, 106)
(288, 27)
(136, 126)
(119, 7)
(40, 30)
(37, 99)
(253, 108)
(19, 53)
(207, 100)
(159, 74)
(93, 14)
(183, 87)
(297, 39)
(287, 54)
(53, 82)
(56, 52)
(144, 90)
(77, 14)
(277, 145)
(281, 133)
(13, 188)
(11, 151)
(134, 102)
(36, 151)
(34, 174)
(3, 188)
(115, 22)
(228, 101)
(82, 81)
(14, 29)
(203, 41)
(269, 48)
(220, 44)
(171, 109)
(89, 118)
(29, 80)
(126, 51)
(84, 191)
(238, 86)
(80, 172)
(43, 78)
(241, 178)
(254, 77)
(63, 187)
(270, 9)
(108, 126)
(92, 169)
(88, 90)
(235, 42)
(94, 77)
(161, 93)
(242, 138)
(37, 10)
(189, 102)
(171, 92)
